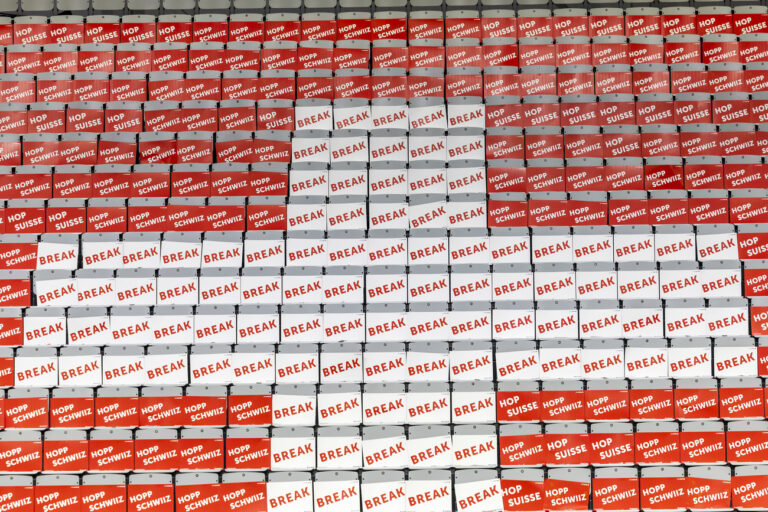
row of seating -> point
(297, 449)
(510, 119)
(630, 207)
(428, 148)
(425, 321)
(546, 245)
(656, 489)
(544, 84)
(248, 55)
(384, 25)
(702, 178)
(735, 113)
(691, 364)
(350, 284)
(238, 6)
(394, 491)
(563, 405)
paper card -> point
(466, 147)
(338, 496)
(433, 116)
(253, 368)
(427, 148)
(470, 365)
(702, 447)
(91, 330)
(119, 370)
(297, 368)
(747, 490)
(172, 329)
(560, 363)
(380, 496)
(201, 454)
(518, 365)
(393, 149)
(307, 216)
(685, 362)
(657, 447)
(166, 369)
(384, 409)
(95, 291)
(555, 285)
(339, 452)
(57, 256)
(515, 406)
(646, 362)
(264, 252)
(464, 85)
(634, 247)
(685, 321)
(306, 252)
(427, 408)
(116, 411)
(301, 327)
(15, 292)
(156, 454)
(384, 367)
(427, 366)
(80, 371)
(56, 292)
(651, 404)
(607, 404)
(291, 495)
(475, 451)
(211, 368)
(12, 335)
(567, 449)
(344, 182)
(198, 496)
(72, 412)
(215, 328)
(740, 403)
(473, 407)
(603, 363)
(177, 290)
(314, 117)
(662, 492)
(260, 290)
(66, 455)
(111, 455)
(428, 215)
(430, 452)
(567, 405)
(680, 283)
(524, 495)
(385, 453)
(344, 327)
(340, 409)
(716, 246)
(556, 324)
(388, 326)
(523, 450)
(293, 410)
(735, 361)
(503, 115)
(428, 288)
(349, 149)
(105, 255)
(66, 498)
(136, 291)
(26, 412)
